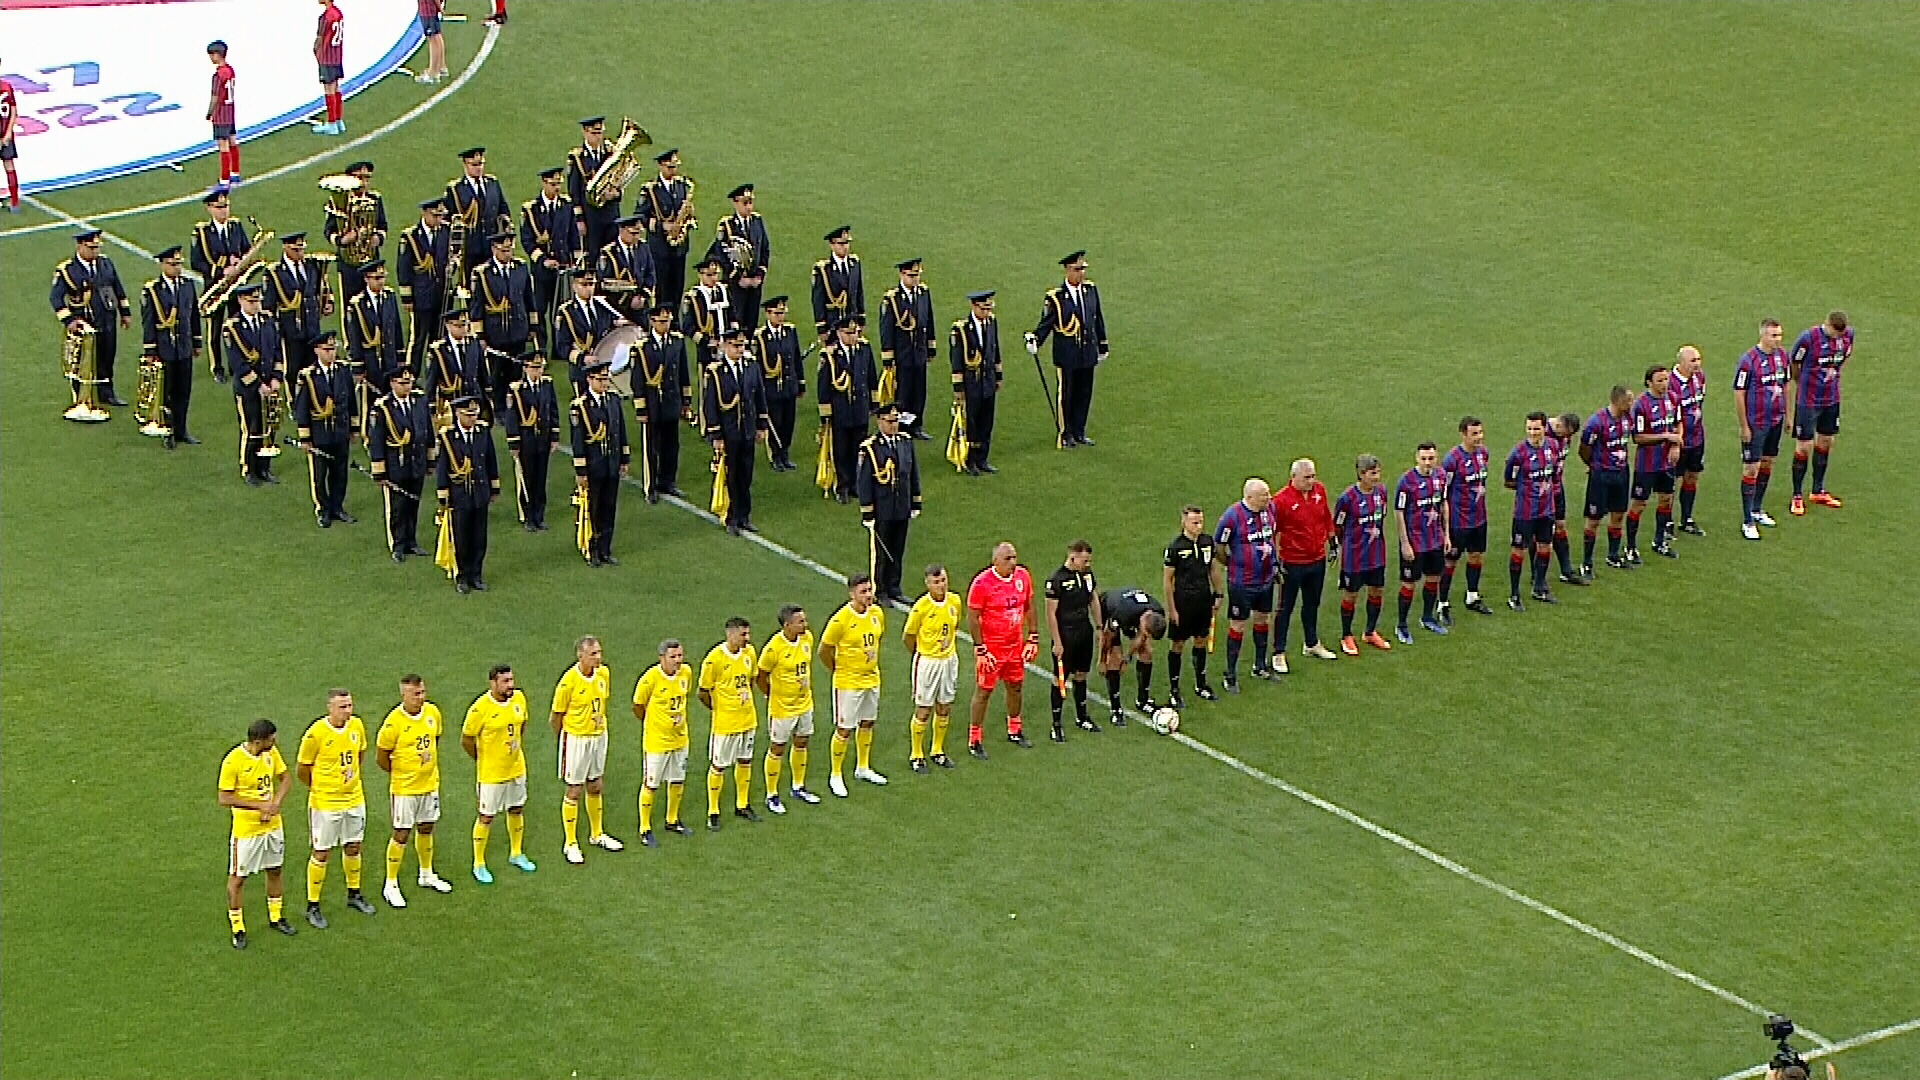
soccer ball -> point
(1165, 720)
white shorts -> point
(248, 855)
(782, 729)
(410, 810)
(729, 749)
(582, 757)
(495, 798)
(934, 680)
(328, 829)
(667, 768)
(851, 707)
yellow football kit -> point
(728, 680)
(499, 732)
(254, 778)
(932, 623)
(663, 698)
(413, 743)
(337, 755)
(854, 638)
(789, 669)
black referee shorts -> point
(1196, 617)
(1076, 648)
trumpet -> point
(221, 290)
(149, 409)
(78, 362)
(615, 173)
(682, 222)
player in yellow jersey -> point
(580, 720)
(850, 649)
(253, 782)
(931, 626)
(726, 687)
(333, 754)
(494, 735)
(408, 747)
(660, 704)
(786, 678)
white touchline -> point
(1342, 813)
(1854, 1043)
(388, 128)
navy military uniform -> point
(255, 359)
(973, 347)
(533, 432)
(372, 322)
(352, 277)
(707, 315)
(294, 288)
(90, 290)
(468, 479)
(627, 275)
(401, 449)
(847, 387)
(907, 344)
(1071, 315)
(548, 233)
(578, 328)
(216, 247)
(889, 486)
(421, 275)
(326, 415)
(170, 332)
(736, 236)
(600, 456)
(480, 202)
(733, 413)
(838, 290)
(778, 350)
(662, 397)
(457, 369)
(501, 307)
(593, 225)
(661, 200)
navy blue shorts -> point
(1352, 581)
(1465, 540)
(1606, 494)
(1817, 420)
(1532, 531)
(1765, 444)
(429, 25)
(1646, 484)
(1423, 564)
(1244, 600)
(8, 151)
(1693, 459)
(332, 73)
(222, 131)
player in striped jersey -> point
(1656, 439)
(1359, 521)
(1818, 356)
(1530, 474)
(1562, 432)
(1759, 394)
(1466, 469)
(1687, 389)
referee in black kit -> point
(1073, 603)
(1191, 590)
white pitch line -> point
(63, 218)
(1864, 1039)
(1381, 831)
(388, 128)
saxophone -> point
(251, 263)
(683, 221)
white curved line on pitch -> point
(388, 128)
(1854, 1043)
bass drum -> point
(616, 349)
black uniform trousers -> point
(216, 338)
(106, 341)
(846, 456)
(603, 503)
(426, 326)
(503, 367)
(746, 305)
(253, 434)
(780, 417)
(299, 354)
(600, 233)
(888, 555)
(353, 281)
(979, 428)
(910, 391)
(545, 283)
(1076, 399)
(469, 543)
(177, 390)
(738, 456)
(403, 513)
(327, 476)
(533, 456)
(661, 445)
(1300, 583)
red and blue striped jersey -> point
(1820, 355)
(1652, 416)
(1417, 500)
(1466, 486)
(223, 95)
(331, 34)
(1533, 472)
(1561, 448)
(1688, 397)
(1252, 560)
(1763, 375)
(1606, 438)
(1361, 518)
(431, 9)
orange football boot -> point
(1826, 498)
(1374, 639)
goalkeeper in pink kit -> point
(1006, 634)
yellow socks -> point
(480, 831)
(237, 920)
(939, 733)
(715, 781)
(594, 818)
(423, 846)
(351, 865)
(774, 762)
(863, 742)
(675, 792)
(276, 908)
(919, 738)
(570, 817)
(799, 767)
(517, 834)
(839, 751)
(742, 783)
(316, 877)
(396, 854)
(646, 809)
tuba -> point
(615, 173)
(149, 409)
(683, 222)
(78, 364)
(221, 289)
(352, 207)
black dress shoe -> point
(253, 481)
(593, 561)
(399, 556)
(540, 526)
(479, 585)
(112, 399)
(269, 478)
(986, 468)
(325, 522)
(653, 497)
(673, 490)
(188, 439)
(460, 587)
(733, 530)
(922, 436)
(840, 497)
(219, 376)
(970, 471)
(345, 518)
(167, 442)
(748, 526)
(528, 526)
(608, 560)
(416, 549)
(1084, 441)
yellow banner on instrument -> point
(443, 549)
(823, 474)
(582, 524)
(957, 446)
(887, 386)
(719, 504)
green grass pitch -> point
(1320, 230)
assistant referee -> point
(1073, 610)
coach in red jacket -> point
(1305, 518)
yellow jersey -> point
(414, 745)
(855, 641)
(499, 732)
(789, 669)
(254, 778)
(583, 698)
(663, 698)
(728, 680)
(337, 755)
(932, 623)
